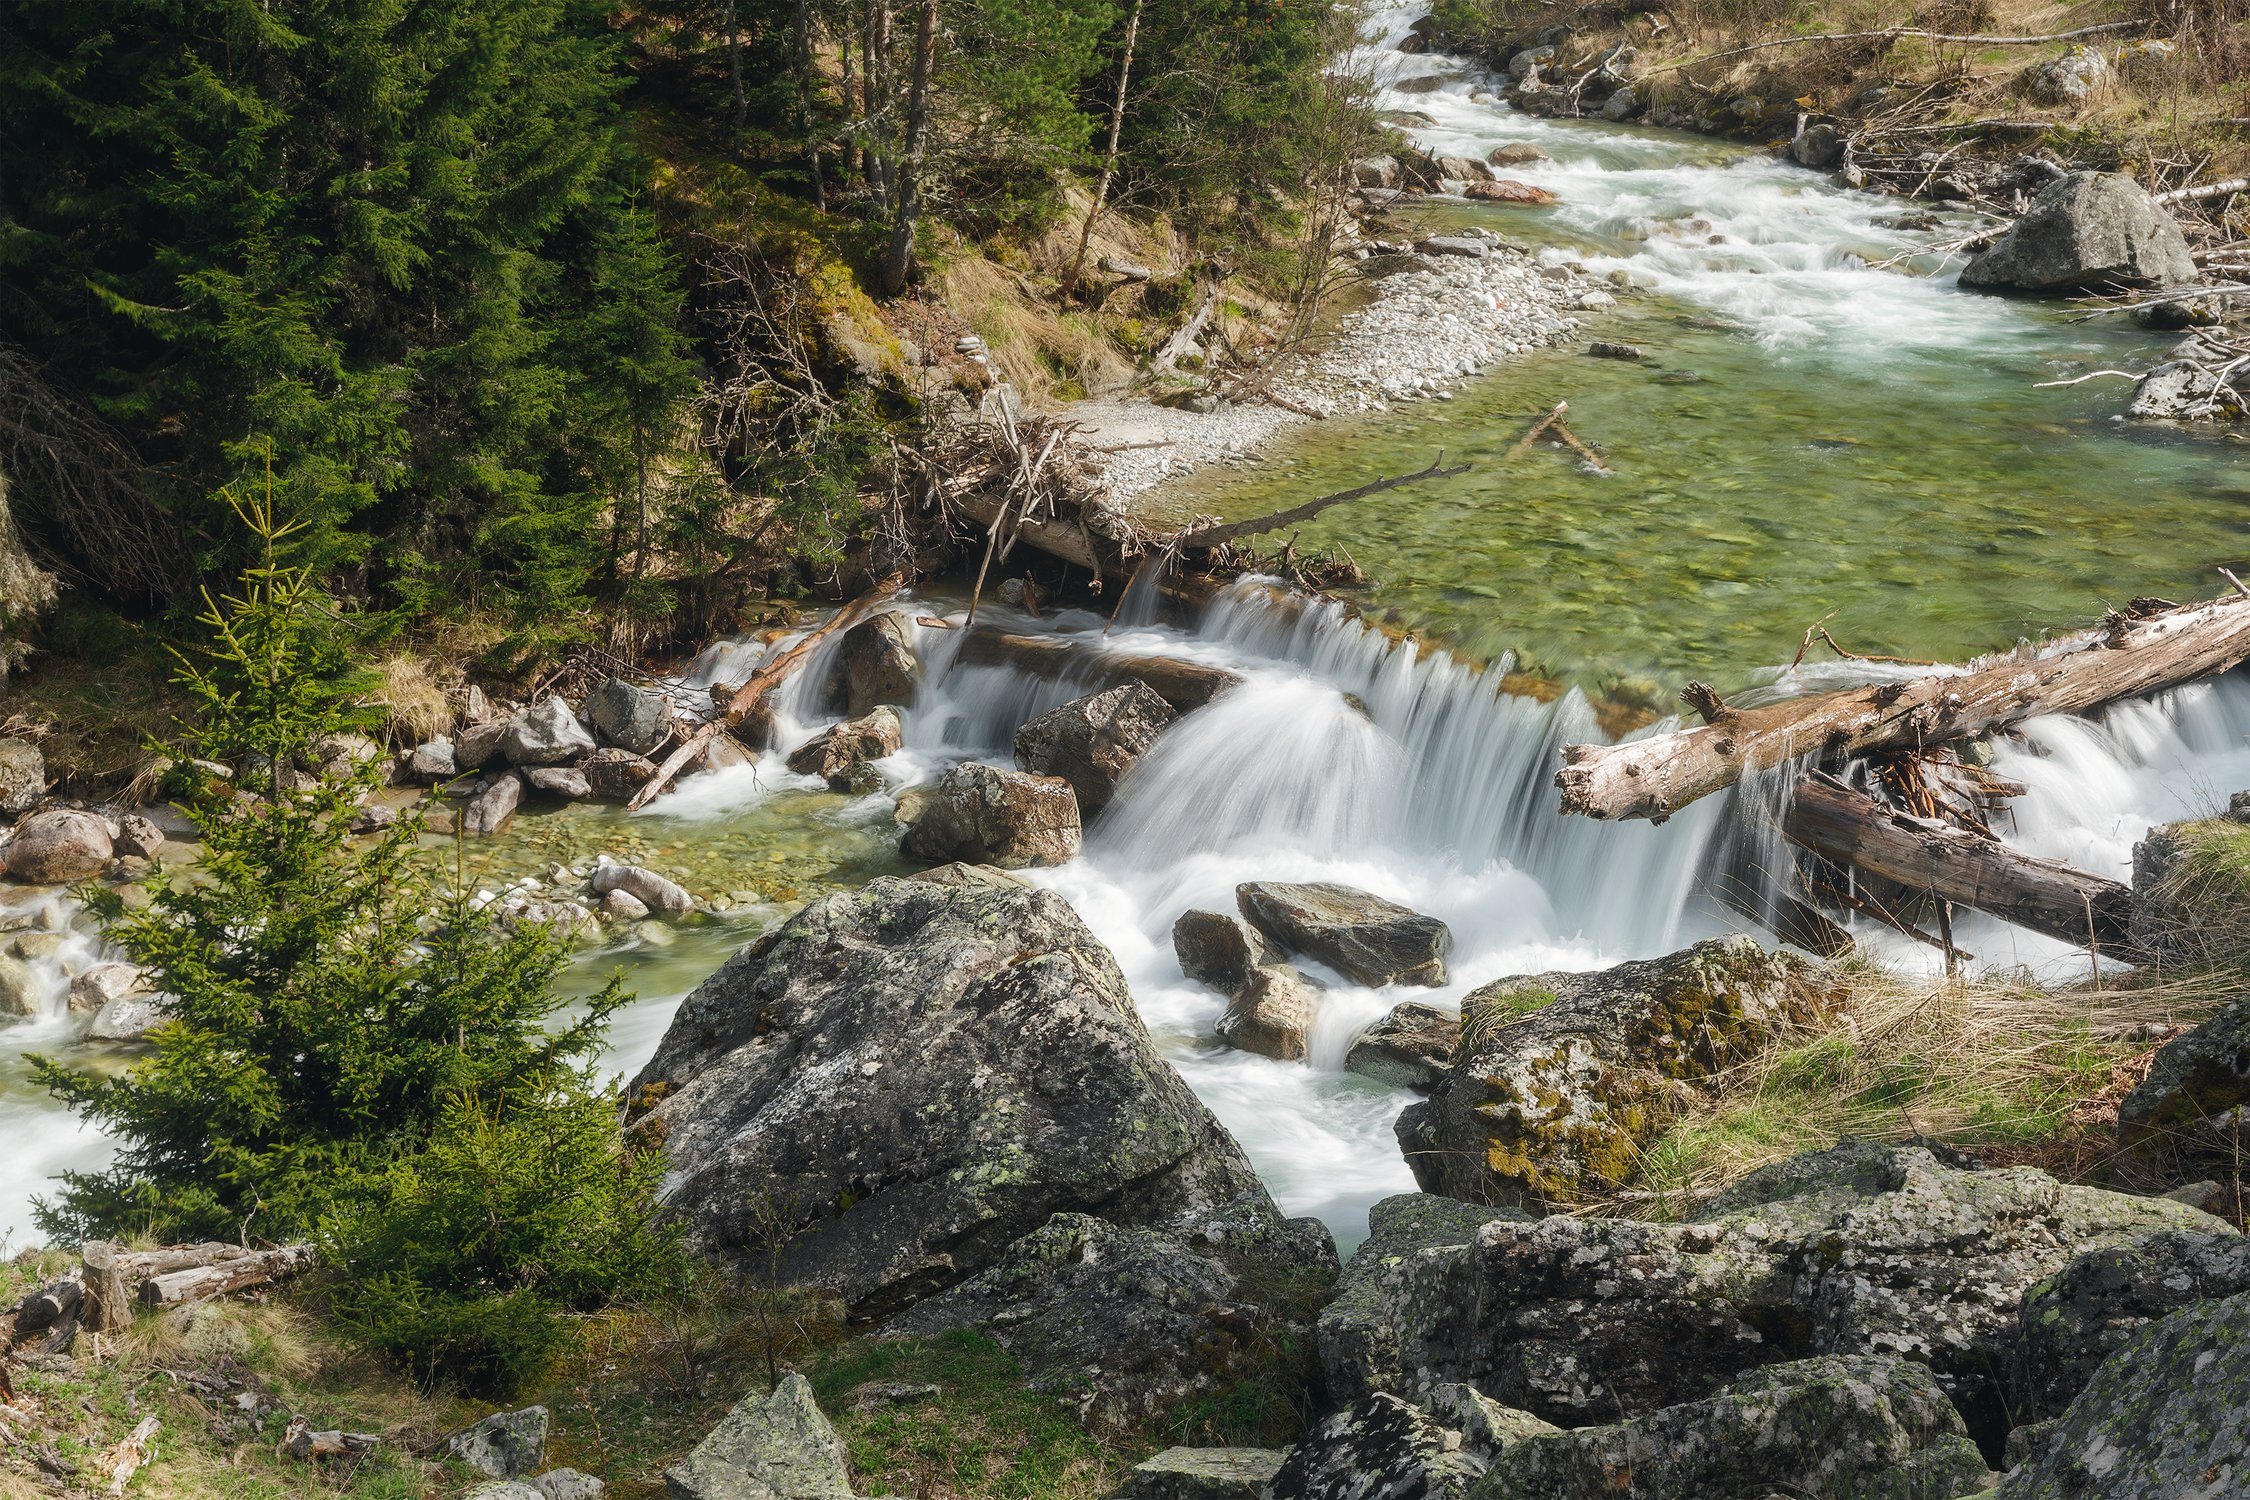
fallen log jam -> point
(1954, 864)
(2154, 645)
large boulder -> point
(2188, 1111)
(1552, 1099)
(910, 1078)
(2166, 1417)
(1093, 741)
(1835, 1428)
(2071, 79)
(546, 734)
(58, 847)
(1359, 1343)
(1131, 1323)
(23, 777)
(2086, 1312)
(505, 1445)
(775, 1446)
(1378, 1447)
(1577, 1319)
(843, 754)
(1360, 935)
(630, 716)
(1409, 1048)
(20, 987)
(983, 815)
(875, 664)
(2086, 232)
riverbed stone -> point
(23, 777)
(137, 837)
(772, 1446)
(477, 747)
(505, 1445)
(566, 782)
(654, 891)
(987, 816)
(1409, 1048)
(1204, 1474)
(1361, 935)
(875, 664)
(1219, 950)
(1515, 154)
(1818, 146)
(2185, 386)
(1548, 1103)
(1574, 1319)
(630, 716)
(1092, 742)
(2166, 1416)
(919, 1075)
(59, 847)
(623, 906)
(96, 987)
(614, 775)
(1833, 1428)
(843, 754)
(19, 987)
(1453, 244)
(128, 1018)
(491, 810)
(546, 734)
(2084, 1313)
(1272, 1014)
(2086, 232)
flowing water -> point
(1810, 435)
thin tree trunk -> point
(1109, 157)
(804, 104)
(908, 198)
(640, 507)
(734, 67)
(877, 77)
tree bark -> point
(200, 1283)
(108, 1305)
(898, 262)
(2132, 655)
(1109, 156)
(804, 104)
(1956, 865)
(734, 66)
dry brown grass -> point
(1048, 353)
(414, 698)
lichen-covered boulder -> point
(58, 847)
(1836, 1428)
(2086, 232)
(2077, 1318)
(2071, 79)
(775, 1446)
(505, 1445)
(843, 754)
(913, 1076)
(982, 815)
(1129, 1323)
(1203, 1474)
(1409, 1048)
(1374, 1449)
(876, 663)
(545, 734)
(1272, 1014)
(477, 746)
(1219, 950)
(1362, 936)
(1576, 1319)
(1550, 1103)
(630, 716)
(2189, 1107)
(1359, 1345)
(23, 776)
(1093, 741)
(2166, 1417)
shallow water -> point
(1853, 441)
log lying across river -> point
(1953, 864)
(2152, 647)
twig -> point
(1523, 444)
(2048, 385)
(2202, 194)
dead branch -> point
(1214, 536)
(1182, 342)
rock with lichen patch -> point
(1092, 742)
(1361, 935)
(774, 1446)
(1378, 1446)
(1409, 1048)
(843, 755)
(1203, 1474)
(1359, 1345)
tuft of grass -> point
(413, 698)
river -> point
(1809, 435)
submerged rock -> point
(914, 1076)
(59, 847)
(1835, 1428)
(566, 782)
(2086, 232)
(1553, 1103)
(1363, 936)
(876, 664)
(1409, 1048)
(775, 1446)
(986, 816)
(1093, 741)
(1272, 1014)
(2166, 1416)
(842, 754)
(1576, 1319)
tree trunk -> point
(804, 104)
(734, 66)
(1109, 157)
(907, 204)
(1955, 865)
(108, 1306)
(1182, 342)
(246, 1269)
(876, 78)
(2160, 647)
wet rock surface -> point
(1409, 1048)
(843, 755)
(1361, 935)
(1272, 1014)
(1219, 950)
(919, 1075)
(58, 847)
(1094, 741)
(983, 815)
(494, 808)
(876, 664)
(546, 734)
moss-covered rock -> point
(770, 1447)
(1551, 1102)
(1358, 1339)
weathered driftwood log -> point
(2158, 647)
(1956, 865)
(129, 1455)
(246, 1269)
(1073, 543)
(55, 1303)
(1183, 684)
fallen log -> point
(1182, 342)
(2161, 646)
(54, 1303)
(1953, 864)
(762, 682)
(1183, 684)
(1214, 536)
(201, 1283)
(1057, 538)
